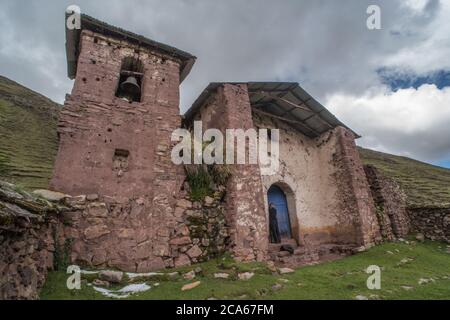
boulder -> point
(101, 283)
(283, 254)
(271, 266)
(194, 252)
(288, 248)
(190, 286)
(285, 270)
(50, 195)
(277, 287)
(96, 231)
(221, 275)
(420, 237)
(92, 197)
(189, 275)
(182, 260)
(98, 210)
(180, 241)
(111, 276)
(245, 275)
(173, 275)
(183, 203)
(208, 201)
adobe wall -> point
(312, 175)
(229, 108)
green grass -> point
(27, 134)
(424, 184)
(341, 279)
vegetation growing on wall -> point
(204, 179)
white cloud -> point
(410, 122)
(323, 45)
(430, 50)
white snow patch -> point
(125, 292)
(133, 275)
(88, 272)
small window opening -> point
(130, 81)
(120, 161)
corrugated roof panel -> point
(317, 124)
(301, 114)
(283, 99)
(302, 94)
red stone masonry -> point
(229, 108)
(132, 229)
(355, 190)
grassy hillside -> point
(28, 140)
(28, 145)
(423, 183)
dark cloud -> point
(324, 45)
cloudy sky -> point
(391, 85)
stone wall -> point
(390, 202)
(229, 108)
(120, 153)
(354, 190)
(96, 128)
(432, 222)
(107, 233)
(28, 242)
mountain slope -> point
(28, 145)
(28, 139)
(424, 184)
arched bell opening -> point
(130, 81)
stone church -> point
(135, 213)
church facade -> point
(115, 149)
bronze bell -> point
(130, 87)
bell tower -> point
(116, 124)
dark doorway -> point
(276, 196)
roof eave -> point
(199, 102)
(94, 25)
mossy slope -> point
(28, 138)
(423, 183)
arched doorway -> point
(276, 196)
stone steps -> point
(308, 256)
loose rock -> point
(189, 275)
(50, 195)
(111, 276)
(285, 270)
(101, 283)
(245, 275)
(190, 286)
(420, 237)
